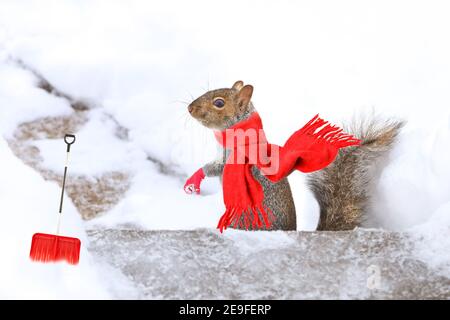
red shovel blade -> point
(53, 248)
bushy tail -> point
(343, 189)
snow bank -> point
(432, 243)
(28, 204)
(21, 100)
(415, 183)
(143, 63)
(97, 149)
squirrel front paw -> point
(193, 183)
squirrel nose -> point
(190, 108)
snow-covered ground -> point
(138, 64)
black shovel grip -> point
(69, 139)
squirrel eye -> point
(219, 103)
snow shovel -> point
(53, 248)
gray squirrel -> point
(342, 189)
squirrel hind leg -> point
(344, 188)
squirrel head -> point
(220, 109)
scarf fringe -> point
(243, 218)
(328, 133)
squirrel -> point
(342, 189)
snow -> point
(29, 205)
(418, 168)
(138, 64)
(252, 242)
(433, 242)
(97, 149)
(167, 205)
(21, 101)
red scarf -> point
(311, 148)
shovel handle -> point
(69, 139)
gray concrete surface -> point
(203, 264)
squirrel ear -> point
(238, 85)
(245, 95)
